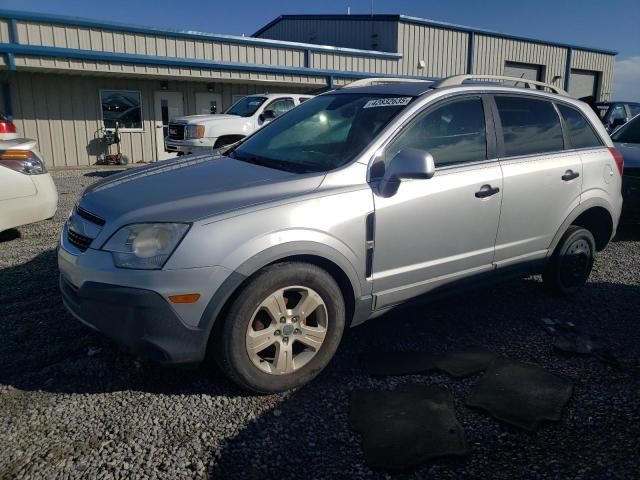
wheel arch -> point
(331, 260)
(596, 216)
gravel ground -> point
(72, 405)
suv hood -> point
(191, 189)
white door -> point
(168, 105)
(208, 103)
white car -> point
(27, 191)
(196, 133)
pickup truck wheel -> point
(570, 266)
(282, 329)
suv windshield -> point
(246, 106)
(323, 133)
(629, 133)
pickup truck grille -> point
(79, 241)
(176, 132)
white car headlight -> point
(145, 246)
(195, 131)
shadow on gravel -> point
(627, 233)
(43, 348)
(9, 235)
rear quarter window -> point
(529, 126)
(579, 130)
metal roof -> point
(429, 23)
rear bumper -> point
(138, 319)
(20, 211)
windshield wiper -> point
(270, 163)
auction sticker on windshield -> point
(387, 102)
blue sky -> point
(613, 25)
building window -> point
(123, 107)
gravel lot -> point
(72, 405)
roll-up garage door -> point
(523, 70)
(583, 83)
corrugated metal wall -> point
(596, 62)
(491, 53)
(103, 40)
(353, 33)
(4, 31)
(62, 112)
(443, 51)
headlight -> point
(145, 246)
(195, 131)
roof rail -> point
(460, 79)
(367, 82)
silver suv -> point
(343, 208)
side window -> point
(280, 106)
(617, 112)
(453, 133)
(581, 135)
(303, 99)
(529, 126)
(635, 110)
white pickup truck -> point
(196, 133)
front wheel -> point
(570, 266)
(282, 328)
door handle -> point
(487, 191)
(570, 175)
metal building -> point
(59, 74)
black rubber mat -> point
(457, 364)
(520, 394)
(406, 427)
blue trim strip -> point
(429, 23)
(33, 50)
(123, 27)
(567, 69)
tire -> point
(570, 266)
(280, 366)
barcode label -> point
(387, 102)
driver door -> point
(436, 231)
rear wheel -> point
(282, 329)
(570, 266)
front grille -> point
(176, 132)
(90, 216)
(79, 241)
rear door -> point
(542, 180)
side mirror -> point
(409, 163)
(267, 115)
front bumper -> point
(139, 319)
(133, 307)
(189, 146)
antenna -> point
(348, 10)
(372, 8)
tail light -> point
(23, 161)
(7, 127)
(617, 156)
